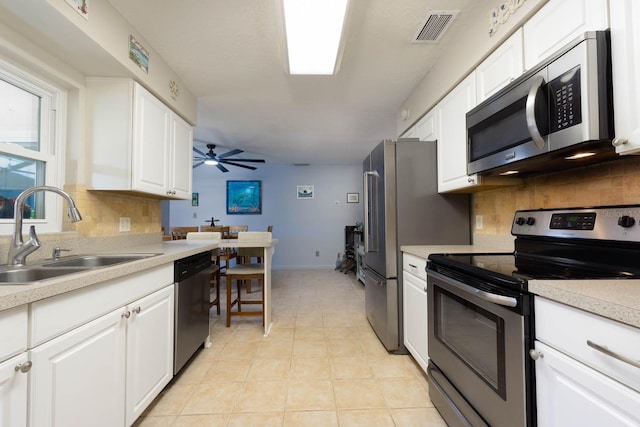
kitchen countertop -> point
(616, 299)
(16, 295)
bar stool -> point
(214, 279)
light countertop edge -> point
(16, 295)
(616, 299)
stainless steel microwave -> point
(556, 116)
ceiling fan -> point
(213, 159)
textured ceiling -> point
(228, 53)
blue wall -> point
(302, 226)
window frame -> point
(53, 124)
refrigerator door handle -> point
(367, 226)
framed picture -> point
(353, 197)
(138, 54)
(244, 197)
(305, 191)
(80, 6)
(195, 201)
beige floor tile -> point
(350, 367)
(211, 420)
(262, 396)
(197, 369)
(275, 348)
(390, 366)
(417, 417)
(366, 418)
(373, 347)
(404, 393)
(340, 333)
(247, 335)
(171, 400)
(341, 347)
(239, 350)
(336, 321)
(311, 419)
(309, 395)
(309, 332)
(262, 419)
(213, 398)
(358, 394)
(163, 421)
(269, 369)
(310, 367)
(309, 347)
(227, 370)
(311, 321)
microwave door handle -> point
(367, 226)
(530, 112)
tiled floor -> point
(322, 365)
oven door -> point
(477, 344)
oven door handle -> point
(530, 112)
(484, 295)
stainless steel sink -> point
(93, 261)
(33, 274)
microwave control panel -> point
(565, 100)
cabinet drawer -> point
(568, 329)
(415, 265)
(13, 330)
(54, 316)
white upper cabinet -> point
(625, 51)
(136, 143)
(559, 22)
(503, 66)
(452, 142)
(427, 127)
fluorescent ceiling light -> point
(580, 156)
(313, 30)
(211, 162)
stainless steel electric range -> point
(481, 312)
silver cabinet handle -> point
(24, 367)
(605, 350)
(535, 354)
(137, 310)
(425, 289)
(616, 142)
(413, 266)
(126, 314)
(530, 112)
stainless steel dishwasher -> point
(191, 276)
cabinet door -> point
(559, 22)
(77, 379)
(415, 317)
(149, 350)
(427, 127)
(150, 143)
(181, 158)
(625, 52)
(13, 392)
(452, 144)
(572, 394)
(500, 68)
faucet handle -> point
(33, 237)
(56, 252)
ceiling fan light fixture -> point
(314, 30)
(211, 162)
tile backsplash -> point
(611, 183)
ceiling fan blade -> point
(246, 160)
(199, 152)
(198, 164)
(222, 168)
(229, 162)
(230, 153)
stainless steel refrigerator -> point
(403, 207)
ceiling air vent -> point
(434, 25)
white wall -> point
(302, 226)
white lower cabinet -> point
(13, 391)
(107, 371)
(582, 378)
(414, 288)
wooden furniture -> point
(214, 279)
(246, 272)
(180, 233)
(235, 229)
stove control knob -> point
(520, 220)
(531, 220)
(626, 221)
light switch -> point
(125, 224)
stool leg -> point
(239, 286)
(228, 284)
(218, 292)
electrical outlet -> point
(317, 253)
(125, 224)
(478, 222)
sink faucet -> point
(18, 250)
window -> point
(32, 125)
